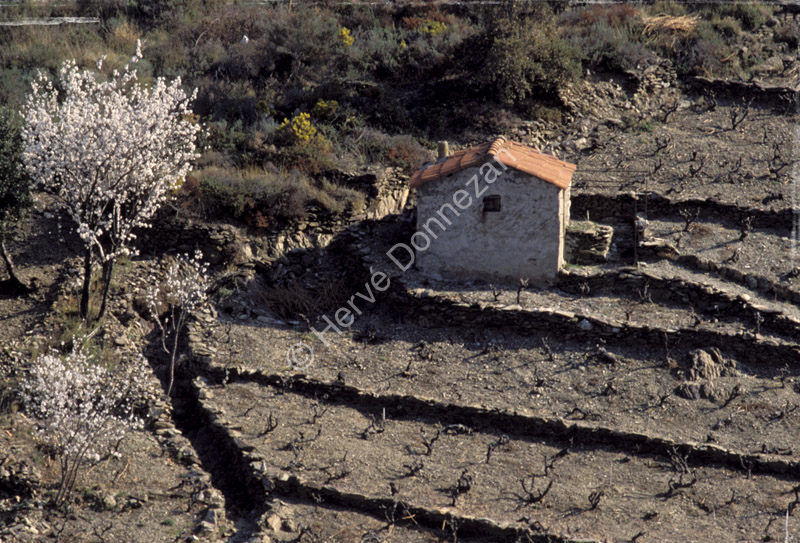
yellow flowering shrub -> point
(300, 127)
(432, 27)
(302, 146)
(346, 37)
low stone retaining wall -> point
(633, 282)
(444, 311)
(625, 206)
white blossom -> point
(110, 150)
(175, 295)
(184, 284)
(82, 408)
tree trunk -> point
(14, 283)
(108, 270)
(87, 283)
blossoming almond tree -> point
(183, 288)
(111, 151)
(82, 407)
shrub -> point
(403, 152)
(293, 299)
(312, 156)
(645, 125)
(226, 138)
(432, 27)
(148, 12)
(750, 14)
(523, 56)
(15, 196)
(727, 27)
(122, 36)
(706, 52)
(427, 18)
(346, 37)
(420, 43)
(83, 408)
(295, 44)
(264, 198)
(14, 83)
(608, 37)
(170, 58)
(789, 33)
(708, 47)
(325, 110)
(603, 46)
(525, 61)
(547, 114)
(299, 129)
(379, 51)
(697, 46)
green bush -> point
(524, 61)
(523, 56)
(170, 58)
(379, 51)
(751, 15)
(546, 114)
(727, 27)
(707, 53)
(298, 44)
(15, 194)
(14, 85)
(605, 46)
(383, 49)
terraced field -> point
(654, 397)
(634, 401)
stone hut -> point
(497, 211)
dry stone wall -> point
(221, 243)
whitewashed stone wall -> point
(524, 239)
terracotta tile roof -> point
(510, 153)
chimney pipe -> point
(444, 149)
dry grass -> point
(677, 25)
(125, 35)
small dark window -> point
(491, 203)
